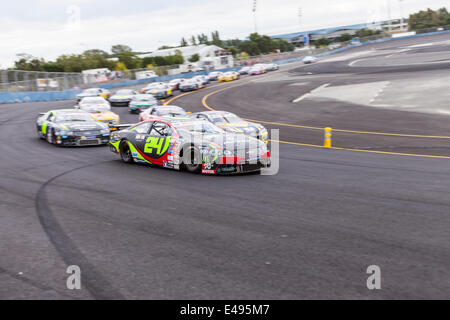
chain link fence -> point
(36, 81)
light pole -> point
(300, 15)
(389, 16)
(401, 12)
(255, 3)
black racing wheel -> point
(192, 159)
(125, 153)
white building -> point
(211, 57)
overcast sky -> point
(49, 28)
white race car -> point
(310, 59)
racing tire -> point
(125, 153)
(50, 136)
(41, 137)
(192, 159)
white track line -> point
(353, 62)
(309, 93)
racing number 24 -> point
(160, 144)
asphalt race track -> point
(309, 231)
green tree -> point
(119, 48)
(322, 42)
(193, 41)
(194, 58)
(130, 60)
(249, 47)
(183, 42)
(429, 19)
(216, 39)
(345, 37)
(28, 63)
(362, 33)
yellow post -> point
(328, 135)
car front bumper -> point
(234, 165)
(82, 141)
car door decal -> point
(156, 147)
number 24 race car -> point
(192, 145)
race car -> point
(229, 76)
(161, 91)
(232, 123)
(272, 67)
(191, 85)
(256, 70)
(69, 127)
(175, 84)
(203, 79)
(100, 110)
(142, 102)
(244, 70)
(94, 92)
(197, 146)
(162, 111)
(214, 76)
(151, 86)
(122, 98)
(310, 59)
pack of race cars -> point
(210, 142)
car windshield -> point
(200, 127)
(172, 111)
(229, 118)
(148, 98)
(94, 108)
(124, 93)
(69, 117)
(93, 100)
(90, 91)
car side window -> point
(143, 128)
(201, 116)
(160, 129)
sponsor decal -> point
(208, 171)
(135, 155)
(160, 144)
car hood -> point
(103, 116)
(144, 103)
(241, 127)
(120, 97)
(82, 126)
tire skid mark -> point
(93, 280)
